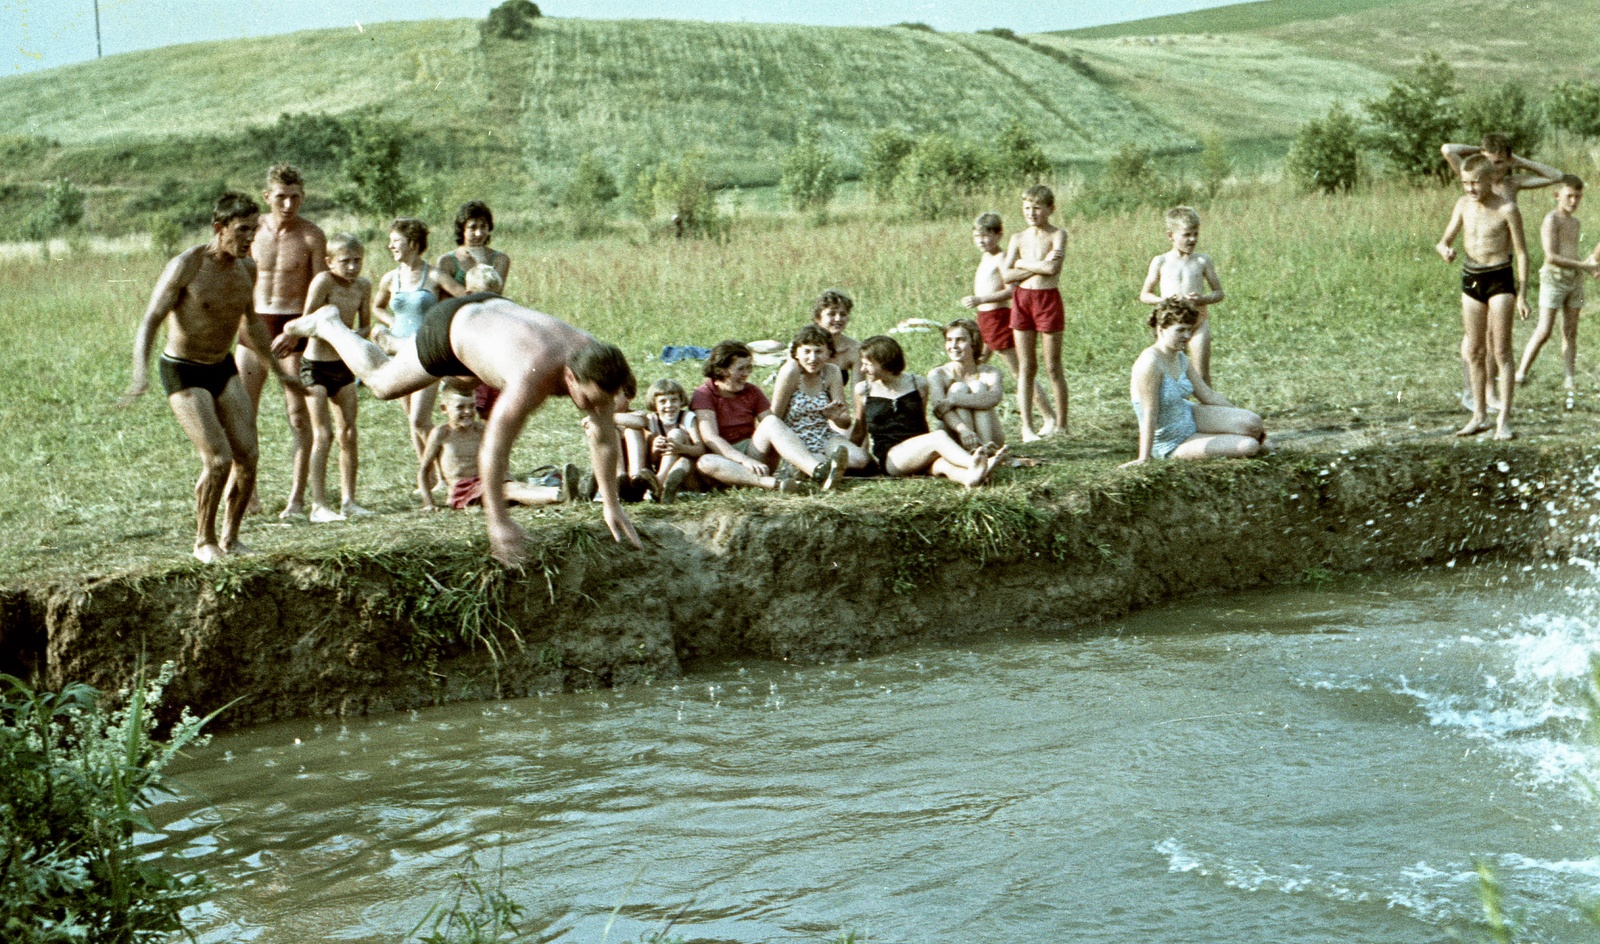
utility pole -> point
(98, 52)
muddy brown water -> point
(1317, 764)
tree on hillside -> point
(1574, 107)
(1017, 156)
(1504, 108)
(589, 195)
(61, 209)
(1326, 154)
(377, 185)
(881, 163)
(938, 173)
(1415, 117)
(512, 19)
(810, 177)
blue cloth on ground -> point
(673, 353)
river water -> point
(1318, 764)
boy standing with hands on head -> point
(327, 378)
(1561, 281)
(1183, 273)
(991, 304)
(1491, 231)
(1033, 263)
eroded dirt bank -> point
(805, 580)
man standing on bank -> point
(526, 355)
(204, 296)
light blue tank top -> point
(408, 307)
(1175, 414)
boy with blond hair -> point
(991, 304)
(455, 445)
(1491, 231)
(326, 377)
(1033, 264)
(1561, 281)
(1183, 273)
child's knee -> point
(678, 437)
(347, 436)
(1247, 448)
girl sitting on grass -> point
(1176, 428)
(963, 393)
(663, 450)
(809, 396)
(890, 409)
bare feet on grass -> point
(208, 553)
(291, 511)
(1474, 427)
(322, 514)
(352, 510)
(1505, 434)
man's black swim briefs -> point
(433, 338)
(1484, 284)
(179, 374)
(331, 376)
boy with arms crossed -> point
(289, 252)
(1491, 231)
(1182, 273)
(1560, 281)
(327, 378)
(1033, 262)
(991, 302)
(203, 295)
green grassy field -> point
(1339, 318)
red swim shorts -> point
(1037, 309)
(466, 492)
(995, 326)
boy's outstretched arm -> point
(1150, 292)
(604, 448)
(430, 455)
(1446, 247)
(1542, 175)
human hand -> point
(970, 440)
(1133, 462)
(659, 446)
(1448, 253)
(136, 389)
(971, 301)
(621, 527)
(836, 412)
(508, 542)
(1055, 255)
(283, 345)
(1523, 311)
(1592, 267)
(759, 468)
(291, 383)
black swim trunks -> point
(433, 338)
(179, 374)
(331, 376)
(1484, 284)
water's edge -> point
(804, 581)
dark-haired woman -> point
(891, 412)
(474, 226)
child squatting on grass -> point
(1033, 263)
(454, 446)
(1181, 273)
(1165, 377)
(326, 378)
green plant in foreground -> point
(1574, 106)
(76, 772)
(476, 910)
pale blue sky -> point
(45, 33)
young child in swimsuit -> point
(1033, 264)
(809, 395)
(991, 301)
(890, 413)
(964, 393)
(327, 378)
(474, 226)
(454, 445)
(1183, 273)
(671, 439)
(404, 294)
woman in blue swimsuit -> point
(1176, 428)
(404, 294)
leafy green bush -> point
(1504, 108)
(75, 776)
(1574, 107)
(938, 175)
(881, 162)
(376, 182)
(61, 209)
(1132, 180)
(682, 188)
(307, 139)
(1416, 116)
(166, 234)
(810, 177)
(1015, 156)
(588, 195)
(512, 19)
(1326, 154)
(1215, 165)
(188, 204)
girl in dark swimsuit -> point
(891, 408)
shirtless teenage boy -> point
(1491, 231)
(1183, 273)
(1033, 263)
(203, 295)
(1560, 281)
(991, 301)
(527, 355)
(289, 251)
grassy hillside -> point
(1234, 18)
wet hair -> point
(285, 174)
(340, 241)
(662, 387)
(885, 352)
(603, 365)
(1040, 195)
(1496, 142)
(989, 222)
(472, 210)
(1173, 311)
(1571, 182)
(415, 231)
(723, 356)
(832, 298)
(1186, 217)
(1477, 163)
(973, 334)
(815, 335)
(485, 278)
(234, 205)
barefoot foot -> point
(237, 548)
(1473, 428)
(352, 510)
(208, 553)
(1029, 435)
(306, 326)
(322, 514)
(291, 511)
(1505, 435)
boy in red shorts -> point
(1033, 263)
(991, 301)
